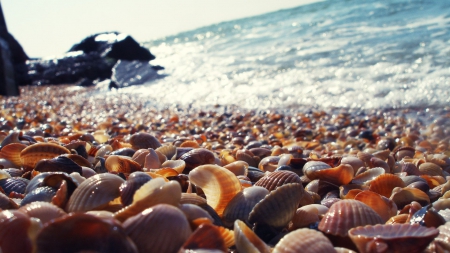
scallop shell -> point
(177, 165)
(121, 164)
(385, 207)
(276, 179)
(367, 176)
(192, 198)
(155, 191)
(430, 169)
(162, 228)
(354, 161)
(144, 141)
(304, 240)
(247, 241)
(347, 214)
(269, 163)
(206, 236)
(193, 212)
(42, 210)
(169, 150)
(242, 204)
(304, 216)
(60, 163)
(133, 183)
(219, 185)
(38, 151)
(44, 194)
(248, 157)
(197, 157)
(14, 184)
(14, 227)
(403, 197)
(11, 152)
(238, 168)
(339, 175)
(95, 193)
(384, 184)
(392, 238)
(278, 207)
(83, 233)
(152, 160)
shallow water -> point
(345, 54)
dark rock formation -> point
(91, 59)
(127, 73)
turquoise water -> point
(340, 53)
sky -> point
(50, 27)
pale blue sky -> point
(51, 27)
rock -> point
(126, 73)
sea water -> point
(332, 54)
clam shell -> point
(42, 210)
(367, 176)
(347, 214)
(385, 207)
(354, 161)
(404, 196)
(238, 168)
(139, 156)
(11, 152)
(398, 219)
(392, 238)
(83, 162)
(255, 174)
(219, 185)
(44, 194)
(430, 169)
(38, 151)
(206, 236)
(339, 175)
(95, 193)
(304, 216)
(169, 150)
(177, 165)
(14, 184)
(133, 183)
(248, 157)
(269, 163)
(278, 207)
(247, 241)
(192, 198)
(384, 184)
(304, 240)
(14, 227)
(144, 141)
(60, 163)
(278, 178)
(83, 233)
(151, 160)
(410, 169)
(193, 212)
(155, 191)
(197, 157)
(121, 164)
(242, 204)
(162, 228)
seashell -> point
(328, 202)
(154, 192)
(219, 185)
(343, 250)
(278, 178)
(392, 238)
(350, 191)
(248, 157)
(144, 141)
(420, 185)
(339, 175)
(124, 152)
(166, 172)
(4, 174)
(60, 163)
(169, 150)
(79, 147)
(192, 198)
(121, 164)
(411, 179)
(166, 225)
(194, 212)
(313, 186)
(403, 152)
(441, 204)
(382, 154)
(404, 196)
(347, 214)
(238, 168)
(14, 232)
(302, 240)
(83, 162)
(197, 157)
(254, 174)
(354, 161)
(399, 219)
(11, 152)
(129, 187)
(260, 152)
(383, 206)
(206, 236)
(7, 203)
(44, 194)
(42, 210)
(364, 157)
(410, 169)
(304, 216)
(427, 217)
(83, 233)
(177, 165)
(38, 151)
(14, 184)
(139, 156)
(433, 181)
(151, 160)
(442, 241)
(376, 162)
(95, 193)
(242, 204)
(269, 163)
(430, 169)
(247, 241)
(278, 207)
(384, 184)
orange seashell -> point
(190, 143)
(384, 184)
(433, 181)
(167, 172)
(392, 238)
(247, 241)
(277, 178)
(347, 214)
(38, 151)
(219, 185)
(349, 191)
(302, 240)
(339, 175)
(398, 219)
(367, 176)
(11, 152)
(177, 165)
(121, 164)
(206, 236)
(385, 207)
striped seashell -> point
(44, 211)
(14, 184)
(430, 169)
(354, 161)
(276, 179)
(144, 141)
(392, 238)
(44, 194)
(197, 157)
(347, 214)
(177, 165)
(238, 168)
(58, 164)
(38, 151)
(339, 175)
(278, 207)
(242, 204)
(166, 225)
(206, 237)
(304, 240)
(154, 192)
(404, 196)
(385, 207)
(269, 163)
(121, 164)
(95, 193)
(11, 152)
(410, 169)
(133, 183)
(169, 150)
(219, 185)
(247, 241)
(385, 183)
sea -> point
(347, 54)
